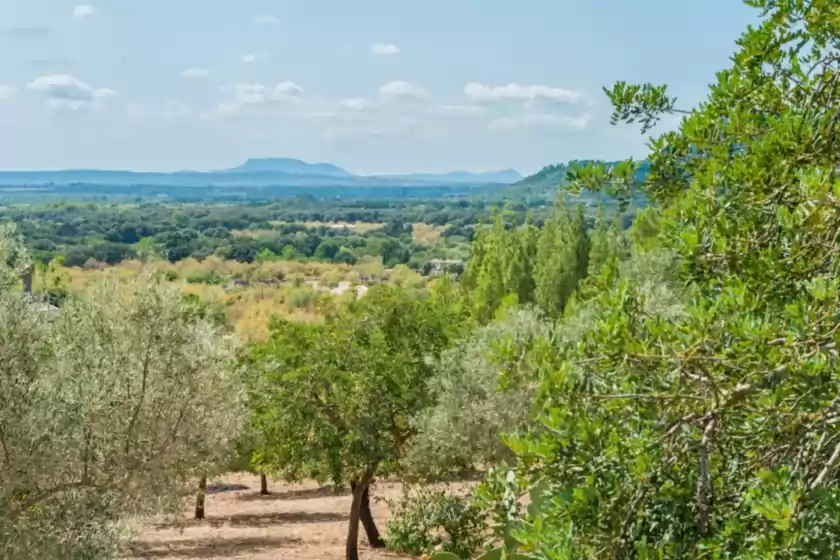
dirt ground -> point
(294, 522)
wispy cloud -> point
(384, 49)
(247, 97)
(355, 104)
(481, 92)
(266, 20)
(196, 73)
(400, 89)
(6, 93)
(83, 11)
(67, 92)
(251, 58)
(541, 120)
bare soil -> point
(294, 522)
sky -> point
(374, 86)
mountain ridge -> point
(259, 172)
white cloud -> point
(67, 92)
(250, 58)
(255, 96)
(541, 120)
(81, 12)
(6, 93)
(480, 92)
(285, 90)
(383, 49)
(195, 73)
(355, 104)
(265, 20)
(400, 89)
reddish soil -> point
(294, 522)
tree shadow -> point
(229, 547)
(305, 494)
(220, 488)
(259, 519)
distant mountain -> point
(278, 175)
(291, 167)
(504, 177)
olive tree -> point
(110, 408)
(482, 388)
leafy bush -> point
(427, 520)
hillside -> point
(541, 187)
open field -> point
(250, 293)
(295, 522)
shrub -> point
(428, 520)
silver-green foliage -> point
(471, 412)
(108, 409)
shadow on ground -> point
(259, 519)
(214, 548)
(220, 488)
(307, 494)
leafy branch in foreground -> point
(713, 433)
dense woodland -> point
(667, 390)
(299, 228)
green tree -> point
(521, 247)
(562, 258)
(335, 400)
(710, 433)
(490, 288)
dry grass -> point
(287, 289)
(253, 232)
(358, 227)
(294, 522)
(427, 234)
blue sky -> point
(376, 86)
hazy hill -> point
(291, 167)
(268, 172)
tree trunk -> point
(366, 517)
(199, 500)
(263, 485)
(352, 548)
